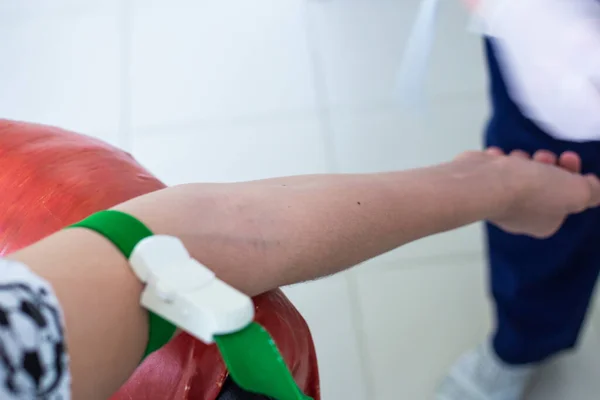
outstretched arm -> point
(288, 230)
(260, 235)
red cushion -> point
(51, 178)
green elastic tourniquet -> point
(256, 365)
(125, 232)
(251, 356)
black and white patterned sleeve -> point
(33, 357)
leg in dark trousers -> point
(542, 288)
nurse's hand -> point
(545, 189)
(549, 53)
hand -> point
(546, 190)
(549, 51)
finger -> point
(494, 151)
(570, 161)
(519, 154)
(545, 157)
(594, 183)
(470, 155)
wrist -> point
(488, 185)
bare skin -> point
(264, 234)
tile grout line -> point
(420, 262)
(324, 118)
(323, 112)
(358, 322)
(126, 141)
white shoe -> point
(481, 375)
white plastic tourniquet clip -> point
(185, 292)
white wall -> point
(206, 90)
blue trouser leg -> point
(542, 288)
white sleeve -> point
(549, 51)
(33, 357)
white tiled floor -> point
(419, 316)
(386, 139)
(417, 319)
(236, 151)
(361, 42)
(44, 8)
(222, 59)
(62, 69)
(330, 312)
(572, 377)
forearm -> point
(265, 234)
